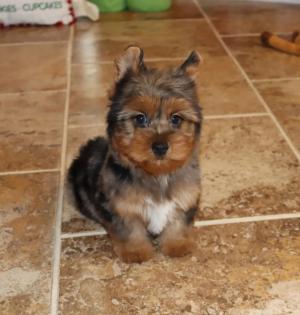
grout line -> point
(176, 20)
(276, 79)
(35, 43)
(105, 62)
(31, 92)
(260, 98)
(83, 234)
(208, 117)
(87, 126)
(201, 223)
(57, 248)
(50, 170)
(229, 116)
(112, 62)
(250, 34)
(257, 218)
(164, 59)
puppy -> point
(142, 181)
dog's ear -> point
(191, 64)
(130, 60)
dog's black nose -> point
(160, 148)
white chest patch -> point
(158, 215)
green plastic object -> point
(149, 5)
(110, 5)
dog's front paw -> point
(135, 253)
(177, 247)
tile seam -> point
(86, 126)
(230, 116)
(34, 43)
(83, 234)
(57, 239)
(31, 92)
(260, 98)
(207, 117)
(257, 218)
(110, 62)
(250, 34)
(38, 171)
(275, 79)
(202, 223)
(177, 20)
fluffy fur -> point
(143, 179)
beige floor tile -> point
(221, 87)
(31, 127)
(236, 17)
(284, 100)
(247, 169)
(27, 215)
(261, 62)
(235, 269)
(89, 93)
(159, 39)
(180, 9)
(34, 34)
(222, 90)
(33, 67)
(72, 220)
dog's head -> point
(154, 119)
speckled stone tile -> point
(160, 39)
(33, 67)
(31, 127)
(27, 215)
(79, 136)
(180, 9)
(72, 220)
(284, 100)
(247, 169)
(21, 34)
(235, 269)
(90, 84)
(262, 62)
(237, 17)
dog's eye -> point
(176, 120)
(141, 120)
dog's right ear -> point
(131, 60)
(191, 64)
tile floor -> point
(53, 87)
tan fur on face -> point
(180, 107)
(135, 146)
(143, 104)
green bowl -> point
(110, 5)
(149, 5)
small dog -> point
(143, 180)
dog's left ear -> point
(131, 60)
(191, 64)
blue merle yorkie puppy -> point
(142, 181)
